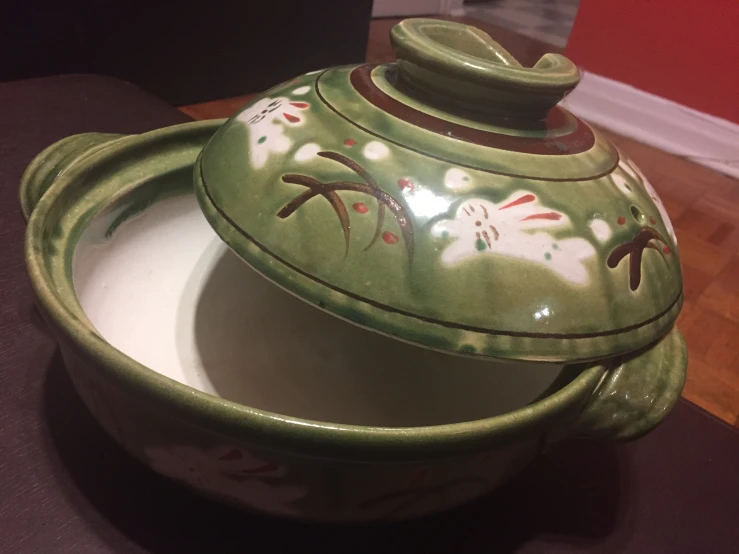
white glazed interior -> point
(167, 292)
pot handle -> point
(636, 392)
(52, 161)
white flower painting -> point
(514, 228)
(228, 472)
(267, 120)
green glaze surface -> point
(266, 461)
(638, 392)
(447, 201)
(49, 164)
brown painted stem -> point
(329, 192)
(635, 249)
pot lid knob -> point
(443, 61)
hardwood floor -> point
(704, 208)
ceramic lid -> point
(446, 200)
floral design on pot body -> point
(228, 472)
(483, 227)
(267, 120)
(421, 498)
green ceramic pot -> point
(243, 390)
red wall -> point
(683, 50)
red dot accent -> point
(291, 118)
(666, 249)
(390, 238)
(621, 220)
(301, 105)
(405, 184)
(360, 208)
(654, 221)
(350, 142)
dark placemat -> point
(65, 487)
(185, 53)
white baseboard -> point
(669, 126)
(452, 7)
(408, 8)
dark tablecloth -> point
(65, 487)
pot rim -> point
(269, 430)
